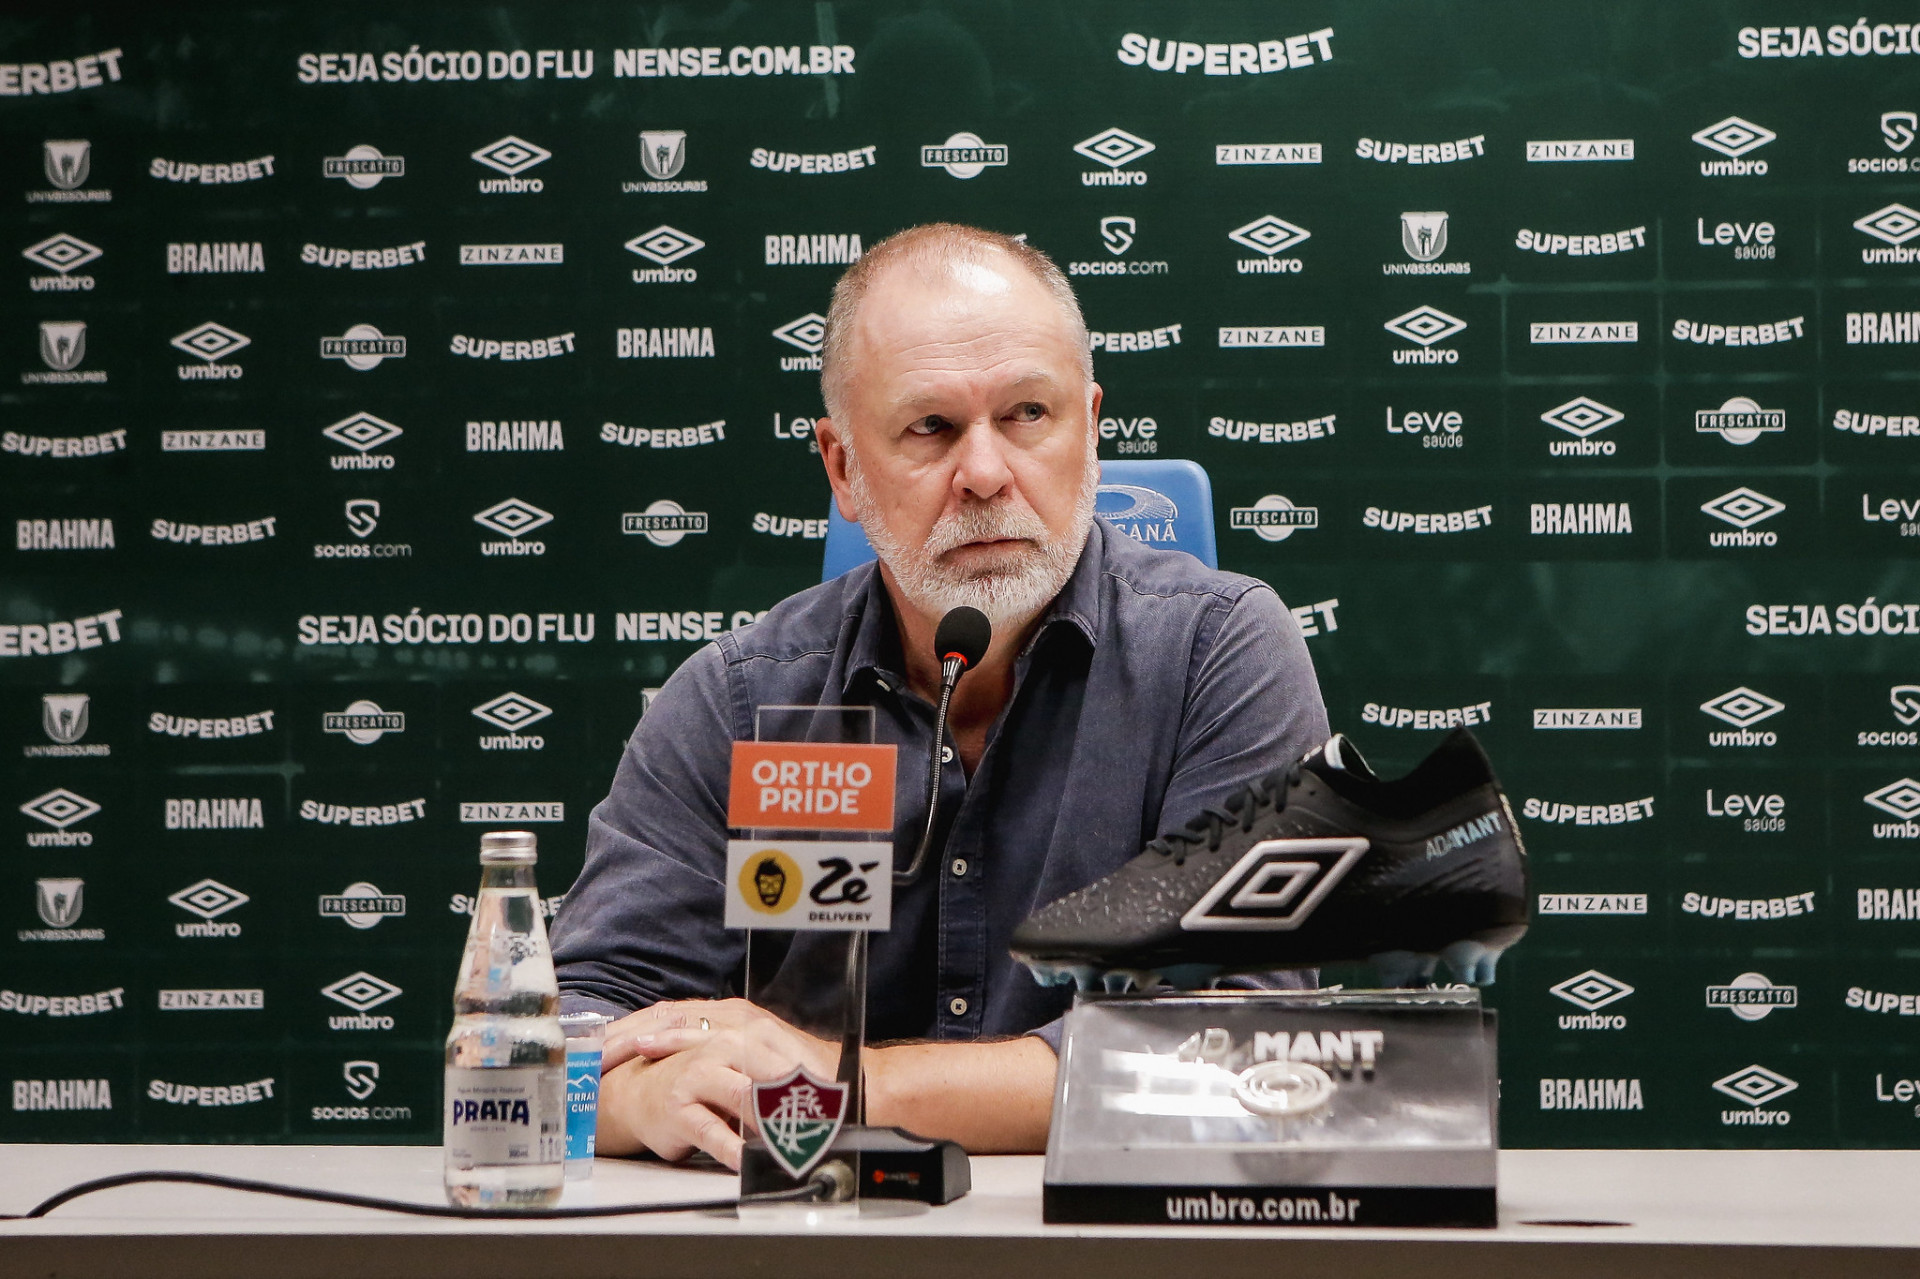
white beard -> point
(1014, 585)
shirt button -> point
(957, 1006)
(946, 754)
(959, 867)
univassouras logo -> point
(1243, 58)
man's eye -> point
(928, 426)
(1030, 412)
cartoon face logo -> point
(770, 882)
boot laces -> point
(1215, 820)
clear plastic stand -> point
(814, 981)
(1319, 1108)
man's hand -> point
(676, 1077)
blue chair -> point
(1162, 503)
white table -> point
(1750, 1214)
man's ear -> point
(1095, 394)
(833, 456)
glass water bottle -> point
(505, 1111)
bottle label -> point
(510, 1115)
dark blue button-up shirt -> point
(1152, 686)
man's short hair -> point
(926, 249)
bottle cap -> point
(507, 848)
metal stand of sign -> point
(1296, 1108)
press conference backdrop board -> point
(395, 394)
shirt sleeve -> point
(642, 923)
(1253, 705)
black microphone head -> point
(964, 632)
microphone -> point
(960, 641)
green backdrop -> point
(1585, 332)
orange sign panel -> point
(811, 786)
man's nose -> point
(980, 467)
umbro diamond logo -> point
(1275, 886)
(1582, 416)
(211, 341)
(513, 518)
(511, 155)
(664, 245)
(361, 991)
(362, 431)
(1734, 137)
(60, 808)
(1895, 224)
(1591, 990)
(512, 712)
(62, 253)
(1743, 507)
(1269, 235)
(208, 899)
(1425, 325)
(808, 332)
(1755, 1085)
(1113, 147)
(1742, 707)
(1901, 798)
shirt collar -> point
(875, 643)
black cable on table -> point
(813, 1190)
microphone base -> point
(887, 1163)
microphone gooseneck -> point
(960, 641)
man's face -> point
(970, 422)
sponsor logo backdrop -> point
(386, 406)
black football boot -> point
(1317, 863)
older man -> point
(1125, 689)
